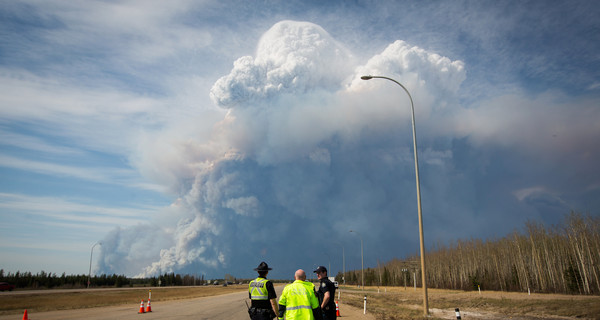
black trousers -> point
(329, 316)
(261, 314)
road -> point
(222, 307)
(228, 306)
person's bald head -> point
(300, 275)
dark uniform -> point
(261, 291)
(326, 285)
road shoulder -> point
(348, 312)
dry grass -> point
(78, 299)
(397, 303)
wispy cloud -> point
(53, 226)
(116, 176)
(74, 211)
(36, 144)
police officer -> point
(298, 300)
(263, 296)
(326, 294)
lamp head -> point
(366, 77)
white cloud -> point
(71, 211)
(117, 176)
(53, 169)
(136, 29)
(549, 124)
(432, 78)
(594, 86)
(98, 119)
(526, 192)
(34, 144)
(291, 58)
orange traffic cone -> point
(337, 310)
(148, 308)
(141, 307)
(25, 317)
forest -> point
(44, 280)
(558, 259)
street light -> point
(329, 268)
(91, 255)
(421, 239)
(343, 262)
(362, 265)
(344, 265)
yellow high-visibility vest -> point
(299, 300)
(258, 289)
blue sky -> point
(203, 137)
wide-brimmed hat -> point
(320, 269)
(263, 266)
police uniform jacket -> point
(256, 292)
(327, 286)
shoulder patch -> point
(323, 284)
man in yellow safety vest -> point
(263, 296)
(298, 300)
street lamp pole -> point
(91, 255)
(362, 264)
(421, 238)
(344, 264)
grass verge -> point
(397, 303)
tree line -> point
(44, 280)
(557, 259)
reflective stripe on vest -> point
(258, 289)
(298, 307)
(299, 300)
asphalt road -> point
(228, 306)
(225, 307)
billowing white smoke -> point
(292, 58)
(303, 151)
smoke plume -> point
(305, 152)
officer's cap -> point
(263, 266)
(320, 269)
